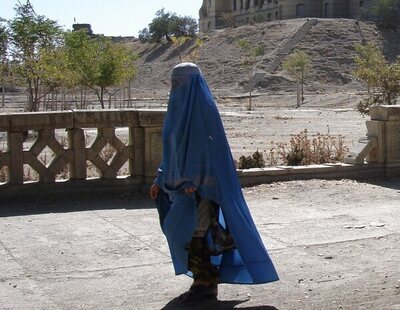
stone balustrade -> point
(87, 134)
(381, 145)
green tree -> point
(386, 10)
(381, 77)
(297, 65)
(33, 42)
(194, 53)
(167, 24)
(251, 55)
(97, 63)
(3, 59)
(179, 42)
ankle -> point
(203, 282)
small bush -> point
(3, 170)
(3, 174)
(254, 161)
(305, 150)
(302, 149)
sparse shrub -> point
(302, 149)
(259, 18)
(30, 174)
(254, 161)
(305, 150)
(380, 76)
(295, 156)
(229, 19)
(107, 153)
(3, 170)
(3, 174)
(297, 64)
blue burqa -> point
(196, 154)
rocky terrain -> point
(329, 42)
(331, 92)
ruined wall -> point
(298, 8)
(213, 12)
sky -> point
(108, 17)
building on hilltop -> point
(85, 27)
(216, 14)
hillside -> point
(329, 42)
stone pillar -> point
(150, 130)
(152, 152)
(385, 125)
(76, 141)
(15, 147)
(136, 146)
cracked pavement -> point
(335, 244)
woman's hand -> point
(190, 190)
(154, 191)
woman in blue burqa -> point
(203, 214)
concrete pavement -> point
(336, 245)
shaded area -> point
(45, 203)
(216, 305)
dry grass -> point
(3, 174)
(303, 149)
(3, 169)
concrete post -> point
(153, 152)
(16, 169)
(385, 125)
(76, 140)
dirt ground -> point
(274, 118)
(334, 243)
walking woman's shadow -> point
(175, 304)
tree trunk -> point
(129, 93)
(302, 87)
(102, 98)
(298, 93)
(3, 95)
(250, 102)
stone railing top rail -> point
(385, 113)
(81, 119)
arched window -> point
(300, 10)
(234, 5)
(241, 4)
(247, 4)
(326, 10)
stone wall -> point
(28, 137)
(242, 12)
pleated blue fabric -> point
(196, 154)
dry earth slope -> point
(329, 42)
